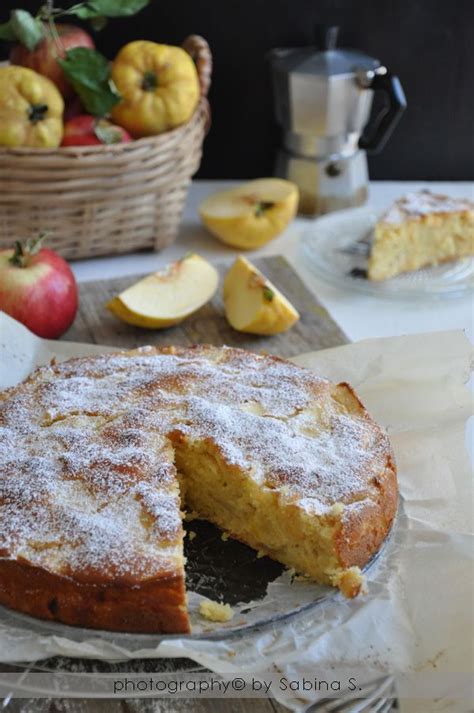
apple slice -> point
(252, 214)
(167, 297)
(253, 304)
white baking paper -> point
(417, 615)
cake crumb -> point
(191, 535)
(337, 509)
(213, 611)
(191, 515)
(225, 536)
(350, 581)
(260, 554)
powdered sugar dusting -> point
(87, 482)
(422, 203)
(314, 467)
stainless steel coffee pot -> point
(323, 100)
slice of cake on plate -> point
(419, 230)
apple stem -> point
(17, 258)
(48, 13)
(47, 10)
(22, 254)
(55, 35)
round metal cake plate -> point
(336, 249)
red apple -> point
(38, 288)
(87, 130)
(43, 58)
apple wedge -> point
(253, 304)
(251, 215)
(166, 298)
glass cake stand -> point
(228, 571)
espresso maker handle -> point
(380, 129)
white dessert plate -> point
(336, 247)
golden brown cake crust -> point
(155, 606)
(362, 533)
(90, 523)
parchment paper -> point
(417, 615)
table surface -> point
(359, 316)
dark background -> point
(428, 43)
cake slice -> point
(419, 230)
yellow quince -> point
(31, 109)
(252, 214)
(253, 304)
(169, 296)
(159, 87)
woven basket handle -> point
(197, 47)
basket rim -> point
(201, 112)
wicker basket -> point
(104, 200)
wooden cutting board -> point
(315, 330)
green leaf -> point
(108, 134)
(27, 29)
(34, 245)
(89, 73)
(268, 294)
(117, 8)
(82, 11)
(7, 33)
(108, 8)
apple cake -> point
(98, 456)
(421, 229)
